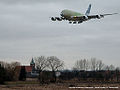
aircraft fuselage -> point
(68, 14)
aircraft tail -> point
(88, 10)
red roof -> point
(28, 68)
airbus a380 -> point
(75, 17)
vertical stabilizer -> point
(88, 10)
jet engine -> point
(85, 17)
(59, 19)
(63, 18)
(74, 22)
(80, 22)
(53, 19)
(100, 16)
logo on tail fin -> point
(88, 10)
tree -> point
(4, 64)
(54, 64)
(85, 64)
(111, 67)
(81, 65)
(100, 65)
(10, 70)
(107, 67)
(2, 75)
(78, 65)
(41, 64)
(22, 76)
(117, 70)
(94, 64)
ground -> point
(58, 86)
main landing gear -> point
(70, 22)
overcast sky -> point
(26, 31)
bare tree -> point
(100, 65)
(111, 67)
(78, 65)
(11, 70)
(85, 64)
(54, 64)
(41, 63)
(106, 67)
(4, 64)
(81, 65)
(117, 70)
(94, 64)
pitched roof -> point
(28, 68)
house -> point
(30, 70)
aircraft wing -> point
(109, 14)
(99, 16)
(83, 18)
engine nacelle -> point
(56, 18)
(63, 18)
(59, 19)
(53, 19)
(85, 17)
(100, 16)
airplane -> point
(75, 17)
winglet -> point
(88, 10)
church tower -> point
(32, 63)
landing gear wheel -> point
(74, 22)
(70, 22)
(80, 22)
(53, 19)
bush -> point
(2, 75)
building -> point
(30, 70)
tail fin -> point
(88, 10)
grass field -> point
(59, 86)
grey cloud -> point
(26, 30)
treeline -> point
(83, 70)
(103, 76)
(92, 70)
(46, 66)
(92, 65)
(8, 71)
